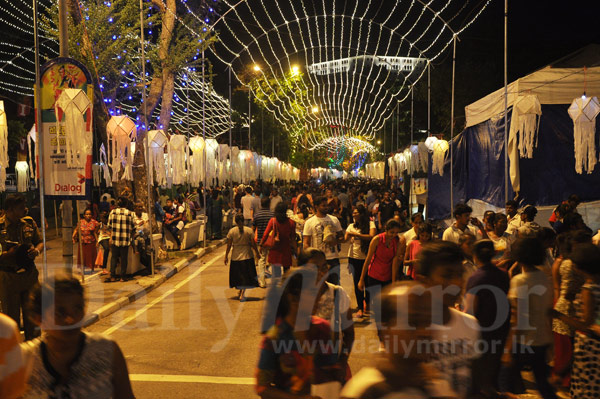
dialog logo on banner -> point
(67, 98)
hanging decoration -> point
(156, 164)
(583, 111)
(22, 171)
(121, 130)
(197, 169)
(440, 149)
(104, 165)
(212, 146)
(33, 152)
(527, 111)
(177, 149)
(73, 104)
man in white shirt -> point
(462, 214)
(324, 232)
(531, 295)
(275, 199)
(247, 202)
(514, 219)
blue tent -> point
(547, 178)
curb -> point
(112, 307)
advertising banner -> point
(67, 144)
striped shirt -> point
(121, 226)
(12, 362)
(261, 220)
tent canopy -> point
(553, 84)
(546, 179)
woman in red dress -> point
(285, 229)
(89, 231)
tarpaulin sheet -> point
(547, 179)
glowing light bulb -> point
(256, 68)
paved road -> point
(191, 338)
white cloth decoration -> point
(74, 103)
(158, 140)
(235, 165)
(440, 149)
(583, 111)
(423, 157)
(414, 149)
(32, 148)
(177, 165)
(120, 130)
(97, 174)
(3, 147)
(197, 169)
(22, 170)
(104, 165)
(212, 147)
(429, 142)
(526, 122)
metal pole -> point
(452, 127)
(262, 131)
(40, 138)
(505, 100)
(67, 209)
(412, 138)
(149, 170)
(249, 117)
(273, 143)
(79, 243)
(204, 152)
(230, 144)
(428, 99)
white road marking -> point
(203, 379)
(129, 319)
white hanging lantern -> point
(157, 141)
(197, 146)
(120, 130)
(212, 147)
(414, 157)
(3, 147)
(429, 142)
(583, 111)
(74, 103)
(423, 157)
(440, 149)
(177, 151)
(104, 164)
(526, 112)
(22, 170)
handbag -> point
(273, 238)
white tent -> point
(550, 85)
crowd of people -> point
(459, 311)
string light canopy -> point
(352, 60)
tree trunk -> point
(156, 89)
(167, 98)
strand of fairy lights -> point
(359, 103)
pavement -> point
(104, 299)
(185, 335)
